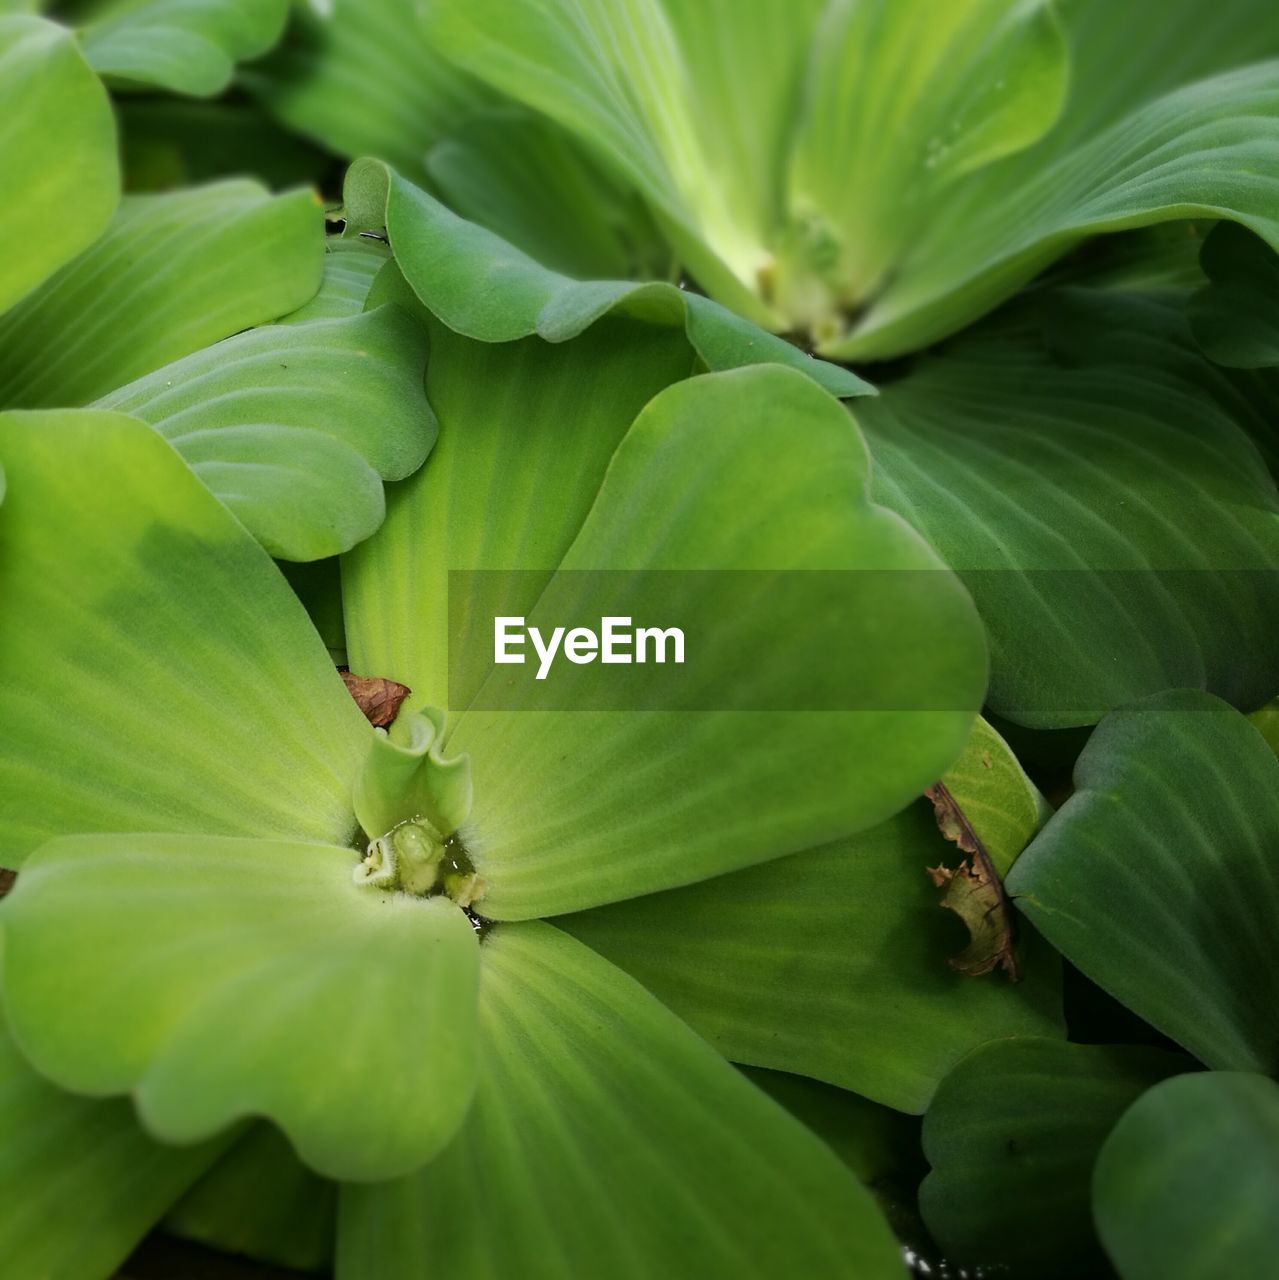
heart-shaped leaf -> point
(1157, 877)
(868, 698)
(224, 971)
(117, 567)
(830, 963)
(1012, 1135)
(484, 288)
(1112, 518)
(171, 274)
(296, 426)
(606, 1139)
(79, 1180)
(57, 152)
(1187, 1186)
(185, 46)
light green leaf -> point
(295, 427)
(533, 423)
(225, 972)
(1000, 802)
(1235, 317)
(606, 1139)
(525, 180)
(362, 78)
(116, 568)
(483, 287)
(1187, 1186)
(173, 273)
(57, 153)
(185, 46)
(1157, 877)
(582, 806)
(830, 963)
(79, 1181)
(1110, 515)
(260, 1200)
(1012, 1136)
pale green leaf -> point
(362, 78)
(171, 274)
(121, 713)
(830, 963)
(295, 427)
(243, 977)
(1012, 1136)
(80, 1183)
(1157, 878)
(1187, 1186)
(350, 267)
(260, 1200)
(606, 1139)
(870, 699)
(1112, 518)
(57, 153)
(185, 46)
(483, 287)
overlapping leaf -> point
(171, 274)
(830, 963)
(224, 971)
(296, 426)
(186, 46)
(54, 109)
(1236, 315)
(1108, 511)
(1187, 1186)
(79, 1180)
(484, 288)
(1157, 877)
(873, 697)
(121, 711)
(606, 1139)
(1012, 1136)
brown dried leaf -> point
(974, 892)
(6, 881)
(376, 696)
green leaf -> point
(57, 153)
(830, 963)
(118, 570)
(1001, 804)
(225, 971)
(79, 1180)
(1109, 513)
(484, 288)
(361, 78)
(296, 426)
(350, 267)
(1186, 1185)
(173, 273)
(1012, 1136)
(1236, 315)
(578, 807)
(524, 179)
(1157, 877)
(606, 1139)
(534, 423)
(260, 1200)
(184, 46)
